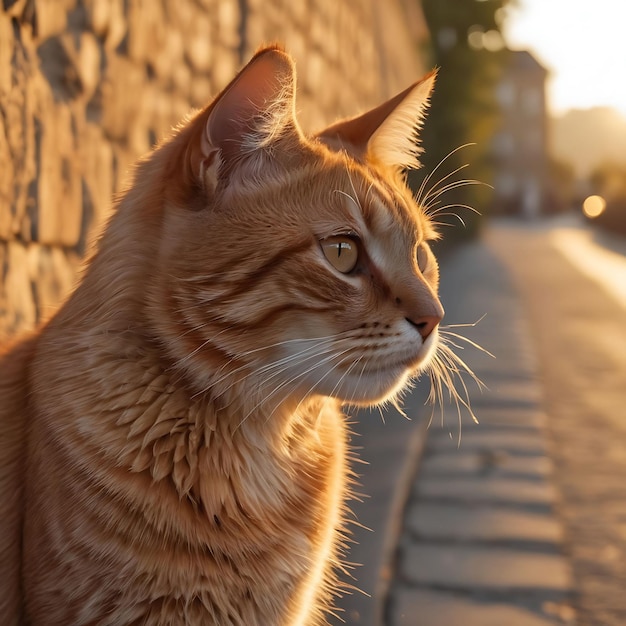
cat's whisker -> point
(447, 333)
(464, 325)
(317, 350)
(424, 201)
(347, 195)
(284, 367)
(447, 370)
(455, 205)
(457, 184)
(280, 366)
(356, 195)
(358, 382)
(369, 190)
(287, 383)
(426, 180)
(448, 225)
(318, 341)
(180, 362)
(337, 384)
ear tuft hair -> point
(389, 133)
(396, 141)
(256, 108)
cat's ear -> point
(253, 111)
(388, 134)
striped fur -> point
(172, 444)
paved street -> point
(521, 522)
(577, 315)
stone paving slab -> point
(490, 489)
(515, 441)
(483, 567)
(487, 463)
(434, 608)
(495, 414)
(458, 522)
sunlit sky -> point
(582, 43)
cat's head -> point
(295, 265)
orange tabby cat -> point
(172, 447)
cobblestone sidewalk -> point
(481, 543)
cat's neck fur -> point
(120, 336)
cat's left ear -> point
(388, 134)
(256, 109)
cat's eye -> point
(422, 256)
(342, 252)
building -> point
(520, 146)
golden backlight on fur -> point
(173, 447)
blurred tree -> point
(467, 47)
(562, 184)
(609, 180)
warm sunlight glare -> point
(582, 44)
(593, 206)
(603, 266)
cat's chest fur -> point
(208, 500)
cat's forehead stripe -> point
(386, 211)
(382, 219)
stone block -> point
(7, 179)
(16, 290)
(51, 17)
(413, 607)
(88, 62)
(7, 41)
(108, 19)
(120, 103)
(198, 44)
(507, 414)
(169, 56)
(459, 522)
(147, 28)
(487, 490)
(226, 65)
(59, 206)
(227, 17)
(55, 278)
(202, 92)
(485, 568)
(97, 163)
(485, 463)
(526, 441)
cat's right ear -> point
(388, 134)
(256, 109)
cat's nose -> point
(425, 324)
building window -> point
(532, 101)
(506, 94)
(505, 184)
(504, 144)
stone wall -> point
(86, 86)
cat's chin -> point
(379, 386)
(379, 389)
(379, 383)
